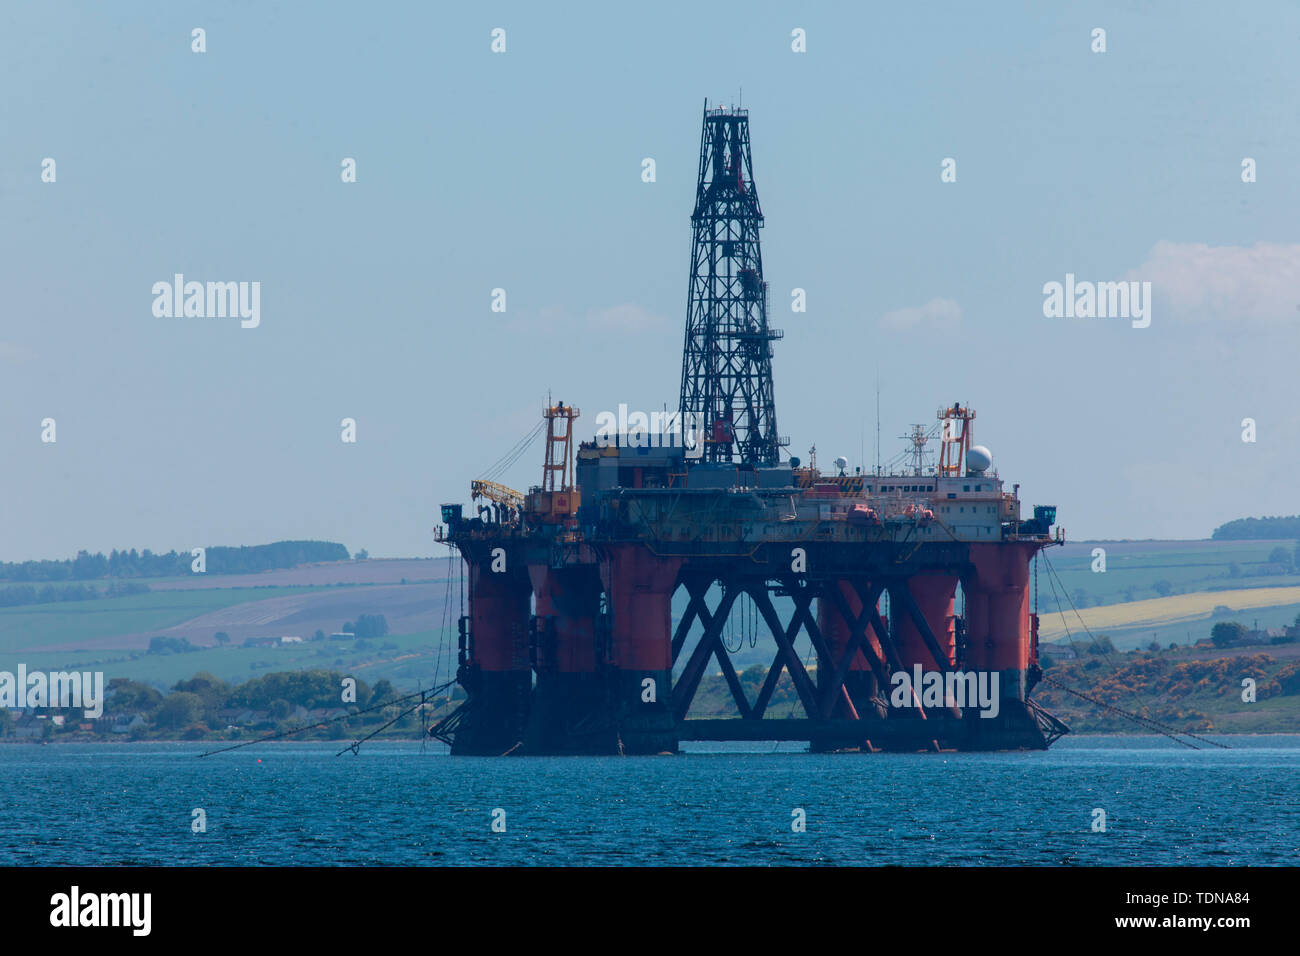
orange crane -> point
(557, 499)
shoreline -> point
(408, 740)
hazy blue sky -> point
(522, 170)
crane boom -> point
(495, 492)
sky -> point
(522, 170)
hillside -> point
(113, 634)
(1188, 690)
(1169, 591)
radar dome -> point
(979, 459)
(841, 463)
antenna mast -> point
(877, 419)
(918, 438)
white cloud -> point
(1224, 283)
(937, 313)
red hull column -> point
(569, 692)
(978, 642)
(1002, 576)
(498, 674)
(935, 596)
(639, 588)
(1000, 640)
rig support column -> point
(497, 676)
(639, 588)
(569, 700)
(998, 625)
(935, 598)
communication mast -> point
(918, 439)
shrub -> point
(1226, 633)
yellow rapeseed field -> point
(1176, 609)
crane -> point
(496, 492)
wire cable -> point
(332, 720)
(1160, 727)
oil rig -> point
(569, 644)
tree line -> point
(204, 705)
(1273, 527)
(21, 594)
(147, 564)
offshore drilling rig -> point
(569, 644)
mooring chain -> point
(325, 723)
(355, 746)
(1052, 574)
(1154, 725)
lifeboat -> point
(863, 514)
(922, 515)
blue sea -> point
(401, 803)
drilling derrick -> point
(727, 356)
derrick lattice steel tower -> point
(727, 357)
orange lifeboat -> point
(863, 514)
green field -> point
(1181, 614)
(1125, 603)
(405, 659)
(1189, 632)
(37, 625)
(1133, 569)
